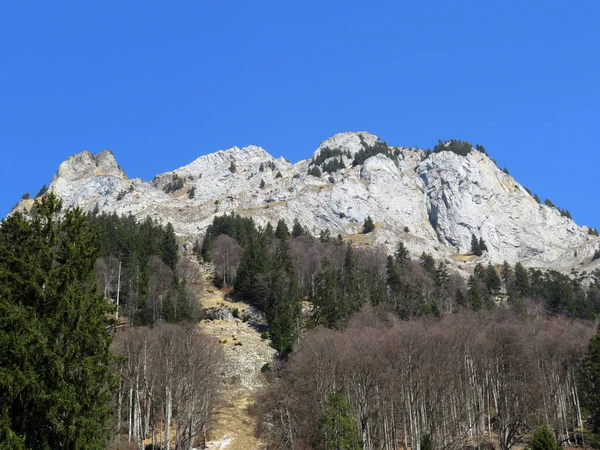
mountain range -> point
(434, 202)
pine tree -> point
(336, 429)
(262, 184)
(54, 338)
(543, 439)
(232, 167)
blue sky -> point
(161, 83)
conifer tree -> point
(330, 307)
(297, 229)
(482, 245)
(282, 231)
(475, 247)
(522, 285)
(402, 253)
(492, 280)
(283, 302)
(54, 338)
(543, 439)
(336, 429)
(590, 382)
(368, 225)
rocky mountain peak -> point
(434, 202)
(351, 142)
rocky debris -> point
(434, 203)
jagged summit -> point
(351, 142)
(434, 202)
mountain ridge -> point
(434, 202)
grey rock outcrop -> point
(434, 203)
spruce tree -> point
(283, 302)
(522, 285)
(336, 428)
(297, 229)
(543, 439)
(54, 338)
(330, 306)
(402, 253)
(589, 382)
(475, 247)
(282, 231)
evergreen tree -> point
(402, 253)
(297, 229)
(336, 428)
(54, 338)
(474, 295)
(269, 232)
(351, 281)
(475, 247)
(589, 382)
(522, 285)
(330, 306)
(428, 264)
(262, 184)
(492, 280)
(482, 245)
(368, 225)
(282, 231)
(283, 302)
(232, 167)
(543, 439)
(252, 271)
(426, 442)
(42, 191)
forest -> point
(98, 340)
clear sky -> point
(161, 83)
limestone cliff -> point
(433, 202)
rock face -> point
(432, 202)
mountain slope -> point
(433, 202)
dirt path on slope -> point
(238, 328)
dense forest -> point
(375, 351)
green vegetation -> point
(314, 171)
(54, 333)
(589, 383)
(462, 148)
(379, 148)
(543, 439)
(336, 429)
(232, 167)
(42, 191)
(368, 225)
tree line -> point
(139, 262)
(339, 279)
